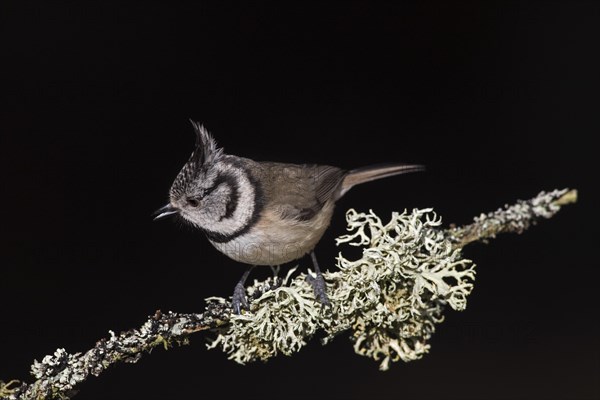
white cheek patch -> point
(243, 201)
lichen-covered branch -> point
(390, 300)
(512, 219)
(58, 374)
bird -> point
(262, 212)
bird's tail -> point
(374, 172)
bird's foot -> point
(239, 301)
(319, 288)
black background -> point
(499, 100)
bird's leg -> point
(239, 300)
(275, 269)
(318, 283)
(276, 280)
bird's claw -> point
(319, 288)
(239, 301)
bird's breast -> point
(274, 240)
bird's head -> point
(200, 189)
(214, 191)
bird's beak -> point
(164, 211)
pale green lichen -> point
(281, 321)
(8, 388)
(390, 299)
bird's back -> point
(298, 191)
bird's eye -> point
(193, 202)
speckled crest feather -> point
(205, 153)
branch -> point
(58, 374)
(511, 219)
(390, 300)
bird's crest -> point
(206, 153)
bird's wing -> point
(327, 181)
(299, 191)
